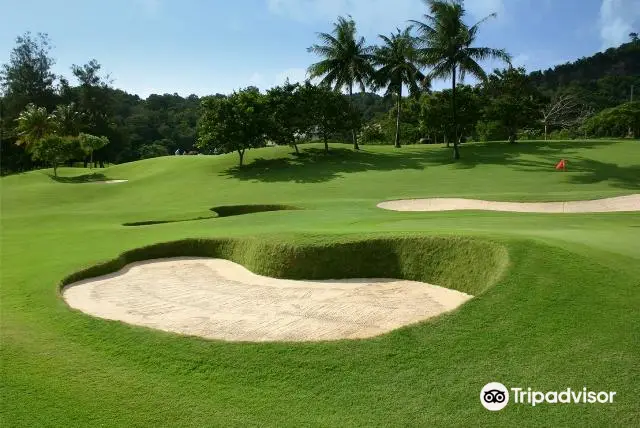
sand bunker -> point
(219, 299)
(111, 181)
(621, 203)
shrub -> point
(154, 150)
(491, 131)
(54, 150)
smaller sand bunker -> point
(110, 181)
(219, 299)
(617, 204)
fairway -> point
(555, 305)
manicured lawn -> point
(564, 311)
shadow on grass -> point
(313, 165)
(626, 177)
(152, 222)
(221, 211)
(86, 178)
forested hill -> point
(603, 80)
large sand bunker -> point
(621, 203)
(219, 299)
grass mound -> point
(464, 264)
(222, 211)
(232, 210)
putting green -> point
(555, 307)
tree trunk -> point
(55, 169)
(545, 132)
(241, 154)
(295, 146)
(512, 137)
(326, 144)
(91, 160)
(456, 151)
(353, 131)
(399, 105)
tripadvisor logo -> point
(495, 396)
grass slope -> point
(562, 313)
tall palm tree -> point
(34, 123)
(398, 59)
(346, 60)
(67, 119)
(447, 48)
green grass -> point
(556, 307)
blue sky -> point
(209, 46)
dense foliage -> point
(583, 98)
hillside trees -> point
(621, 121)
(25, 79)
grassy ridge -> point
(464, 264)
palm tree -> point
(398, 59)
(34, 123)
(346, 60)
(67, 119)
(447, 47)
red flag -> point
(561, 165)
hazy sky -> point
(209, 46)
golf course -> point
(551, 299)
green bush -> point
(491, 131)
(372, 133)
(466, 264)
(563, 134)
(153, 150)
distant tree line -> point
(588, 98)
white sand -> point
(219, 299)
(110, 181)
(621, 203)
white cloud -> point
(618, 18)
